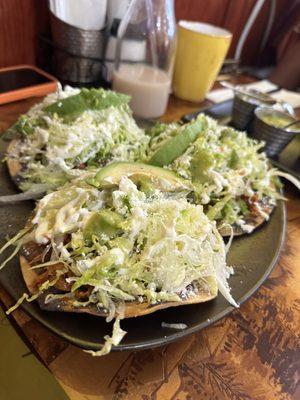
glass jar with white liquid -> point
(146, 45)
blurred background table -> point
(253, 353)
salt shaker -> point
(146, 45)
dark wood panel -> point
(213, 11)
(21, 22)
(237, 16)
(233, 15)
(229, 14)
(17, 32)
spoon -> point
(291, 123)
(15, 198)
(261, 97)
(246, 92)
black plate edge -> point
(280, 165)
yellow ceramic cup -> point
(201, 50)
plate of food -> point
(138, 237)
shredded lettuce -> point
(228, 171)
(62, 135)
(114, 340)
(43, 287)
(127, 245)
(165, 243)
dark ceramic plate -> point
(252, 256)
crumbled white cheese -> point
(177, 326)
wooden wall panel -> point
(237, 15)
(229, 14)
(212, 11)
(17, 32)
(233, 15)
(21, 21)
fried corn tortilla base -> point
(132, 309)
(253, 220)
(13, 165)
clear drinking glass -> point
(146, 45)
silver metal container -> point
(78, 53)
(275, 138)
(244, 106)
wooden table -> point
(252, 354)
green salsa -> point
(278, 121)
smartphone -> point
(23, 81)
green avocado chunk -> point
(105, 222)
(200, 164)
(88, 99)
(177, 145)
(142, 175)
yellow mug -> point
(201, 50)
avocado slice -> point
(87, 99)
(201, 162)
(177, 144)
(105, 222)
(140, 174)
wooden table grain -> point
(252, 354)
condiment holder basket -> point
(78, 53)
(275, 138)
(243, 107)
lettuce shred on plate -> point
(74, 129)
(227, 168)
(127, 245)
